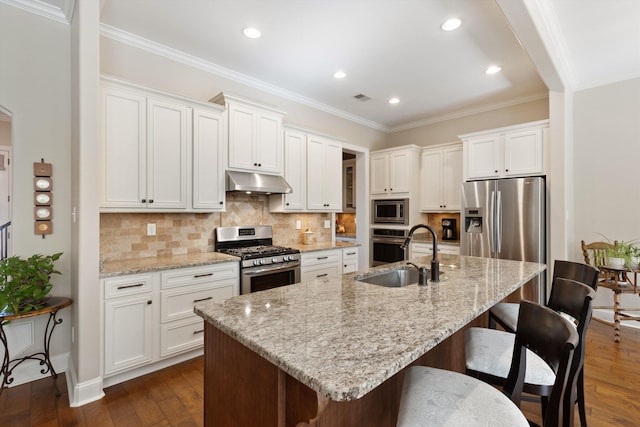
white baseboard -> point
(85, 392)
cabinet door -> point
(333, 175)
(484, 157)
(315, 173)
(523, 153)
(241, 137)
(167, 163)
(208, 164)
(123, 149)
(431, 180)
(127, 332)
(400, 173)
(295, 169)
(379, 173)
(268, 144)
(452, 178)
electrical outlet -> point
(298, 225)
(151, 229)
(327, 223)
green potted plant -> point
(621, 254)
(24, 283)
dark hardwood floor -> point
(173, 396)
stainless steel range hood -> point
(257, 183)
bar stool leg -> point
(616, 316)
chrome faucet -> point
(435, 264)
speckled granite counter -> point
(343, 338)
(146, 265)
(323, 246)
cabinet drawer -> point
(127, 285)
(178, 303)
(321, 257)
(179, 336)
(349, 254)
(321, 272)
(197, 275)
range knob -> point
(274, 259)
(287, 258)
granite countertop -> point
(147, 265)
(343, 338)
(323, 246)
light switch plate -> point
(298, 225)
(327, 223)
(151, 229)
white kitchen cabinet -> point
(159, 151)
(295, 173)
(319, 264)
(393, 172)
(505, 152)
(144, 150)
(324, 176)
(441, 178)
(426, 249)
(349, 260)
(181, 329)
(149, 317)
(129, 304)
(255, 135)
(349, 185)
(208, 160)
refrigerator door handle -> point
(499, 222)
(492, 211)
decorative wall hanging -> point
(42, 198)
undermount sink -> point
(394, 278)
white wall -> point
(606, 164)
(35, 88)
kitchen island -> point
(332, 351)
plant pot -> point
(635, 262)
(615, 262)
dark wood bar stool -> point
(435, 397)
(488, 351)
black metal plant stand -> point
(51, 306)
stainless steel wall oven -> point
(386, 246)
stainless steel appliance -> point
(262, 265)
(390, 211)
(449, 231)
(387, 246)
(506, 219)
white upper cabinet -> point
(208, 160)
(159, 151)
(506, 152)
(441, 178)
(295, 173)
(255, 136)
(393, 172)
(324, 174)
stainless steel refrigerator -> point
(506, 219)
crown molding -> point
(61, 13)
(470, 111)
(190, 60)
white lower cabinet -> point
(426, 249)
(149, 317)
(315, 265)
(349, 260)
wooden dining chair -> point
(488, 351)
(435, 397)
(595, 253)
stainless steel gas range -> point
(263, 265)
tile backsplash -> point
(124, 235)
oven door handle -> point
(276, 267)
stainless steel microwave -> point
(390, 211)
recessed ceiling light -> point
(493, 69)
(252, 33)
(339, 75)
(451, 24)
(394, 100)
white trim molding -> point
(58, 10)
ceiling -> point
(387, 48)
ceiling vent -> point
(361, 97)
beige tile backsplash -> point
(124, 235)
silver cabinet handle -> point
(198, 332)
(137, 285)
(202, 275)
(322, 257)
(322, 275)
(202, 299)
